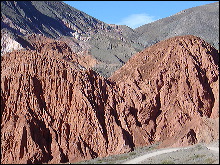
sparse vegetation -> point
(209, 161)
(197, 154)
(199, 147)
(132, 153)
(167, 162)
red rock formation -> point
(54, 110)
(173, 86)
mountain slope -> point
(57, 20)
(173, 86)
(201, 21)
(55, 111)
(52, 19)
(110, 45)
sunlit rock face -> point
(173, 88)
(55, 110)
(8, 44)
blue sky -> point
(133, 13)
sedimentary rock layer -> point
(176, 85)
(54, 110)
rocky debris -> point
(55, 111)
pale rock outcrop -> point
(8, 44)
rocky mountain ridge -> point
(201, 21)
(109, 45)
(84, 34)
(178, 76)
(56, 111)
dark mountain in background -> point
(110, 45)
(201, 21)
(83, 33)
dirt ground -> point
(196, 154)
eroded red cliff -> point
(54, 110)
(176, 90)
